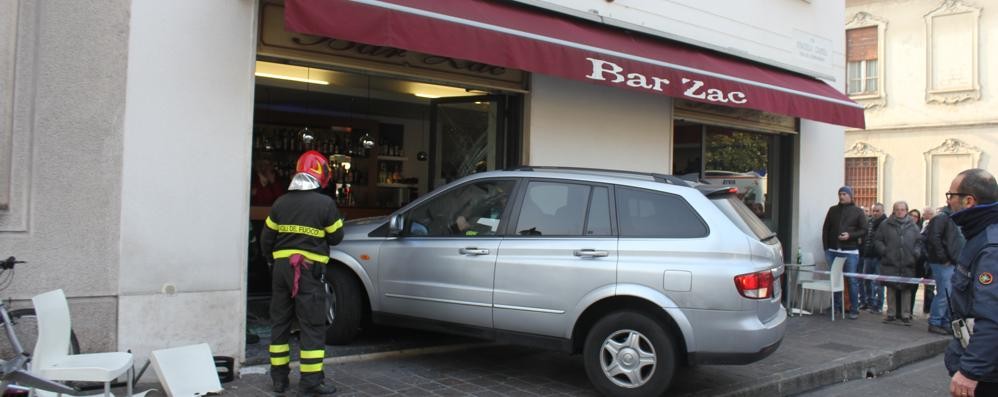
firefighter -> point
(303, 223)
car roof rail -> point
(657, 177)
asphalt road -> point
(924, 378)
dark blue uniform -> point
(975, 295)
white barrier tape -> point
(877, 277)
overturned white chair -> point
(835, 283)
(51, 358)
(186, 371)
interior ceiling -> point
(355, 84)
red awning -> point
(518, 37)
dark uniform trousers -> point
(309, 307)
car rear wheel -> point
(628, 353)
(343, 305)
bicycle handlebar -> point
(9, 263)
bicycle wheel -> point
(25, 323)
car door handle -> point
(588, 253)
(473, 251)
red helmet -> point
(314, 164)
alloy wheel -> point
(628, 358)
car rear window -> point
(742, 216)
(644, 213)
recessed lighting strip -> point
(291, 78)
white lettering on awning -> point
(697, 89)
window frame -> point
(878, 98)
(521, 197)
(863, 149)
(863, 78)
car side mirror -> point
(395, 225)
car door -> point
(562, 248)
(442, 267)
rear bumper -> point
(732, 358)
(735, 337)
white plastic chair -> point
(186, 371)
(834, 284)
(804, 273)
(51, 358)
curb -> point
(853, 367)
(264, 368)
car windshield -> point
(743, 217)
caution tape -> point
(877, 277)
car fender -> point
(638, 291)
(663, 301)
(361, 273)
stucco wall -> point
(186, 162)
(66, 158)
(907, 174)
(577, 124)
(906, 67)
(908, 125)
(820, 175)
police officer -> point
(973, 362)
(303, 223)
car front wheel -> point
(343, 305)
(628, 353)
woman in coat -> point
(899, 242)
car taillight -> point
(757, 285)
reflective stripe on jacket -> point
(303, 222)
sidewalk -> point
(814, 353)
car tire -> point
(344, 302)
(628, 353)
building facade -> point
(925, 74)
(129, 130)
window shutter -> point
(861, 44)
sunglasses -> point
(950, 195)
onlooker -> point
(928, 291)
(265, 185)
(973, 360)
(920, 272)
(872, 292)
(844, 226)
(916, 216)
(943, 242)
(900, 245)
(927, 214)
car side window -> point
(553, 209)
(645, 213)
(474, 209)
(598, 223)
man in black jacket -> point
(943, 243)
(871, 292)
(845, 225)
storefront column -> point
(186, 172)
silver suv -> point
(637, 272)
